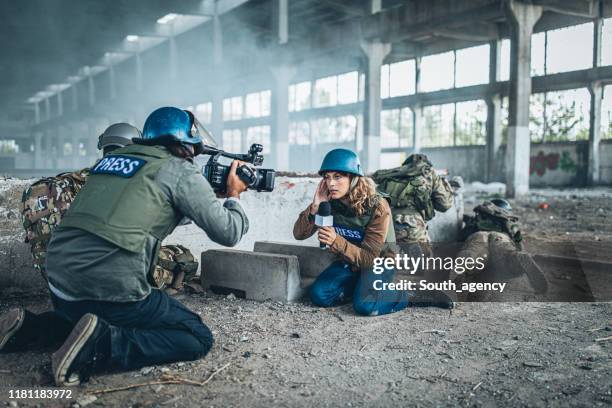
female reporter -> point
(362, 231)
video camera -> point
(255, 178)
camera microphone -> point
(324, 218)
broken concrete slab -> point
(252, 275)
(313, 260)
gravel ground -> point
(480, 354)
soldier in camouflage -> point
(493, 234)
(496, 216)
(415, 192)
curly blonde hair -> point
(362, 194)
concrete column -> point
(138, 62)
(593, 173)
(75, 140)
(522, 18)
(75, 97)
(376, 52)
(417, 124)
(281, 20)
(60, 138)
(280, 115)
(173, 57)
(417, 110)
(36, 113)
(38, 150)
(216, 119)
(60, 104)
(91, 86)
(47, 108)
(375, 6)
(494, 133)
(91, 146)
(112, 91)
(217, 39)
(49, 149)
(596, 90)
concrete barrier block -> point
(312, 259)
(446, 226)
(252, 275)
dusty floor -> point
(493, 354)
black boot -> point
(87, 349)
(431, 298)
(20, 330)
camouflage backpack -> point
(408, 188)
(175, 265)
(489, 217)
(43, 204)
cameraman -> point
(100, 258)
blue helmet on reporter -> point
(174, 126)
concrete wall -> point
(558, 164)
(271, 217)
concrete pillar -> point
(94, 128)
(376, 52)
(60, 104)
(217, 39)
(417, 110)
(173, 57)
(38, 150)
(494, 133)
(91, 86)
(281, 20)
(36, 113)
(280, 115)
(75, 140)
(217, 90)
(138, 62)
(47, 108)
(417, 125)
(112, 91)
(522, 18)
(596, 90)
(75, 97)
(375, 6)
(60, 138)
(593, 173)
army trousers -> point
(155, 330)
(338, 284)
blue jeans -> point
(155, 330)
(338, 284)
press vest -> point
(121, 202)
(351, 226)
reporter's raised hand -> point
(235, 186)
(321, 194)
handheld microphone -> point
(324, 218)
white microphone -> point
(324, 218)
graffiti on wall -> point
(552, 161)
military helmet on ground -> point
(343, 160)
(416, 158)
(170, 125)
(118, 135)
(501, 203)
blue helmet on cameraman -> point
(170, 125)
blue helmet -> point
(170, 125)
(343, 160)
